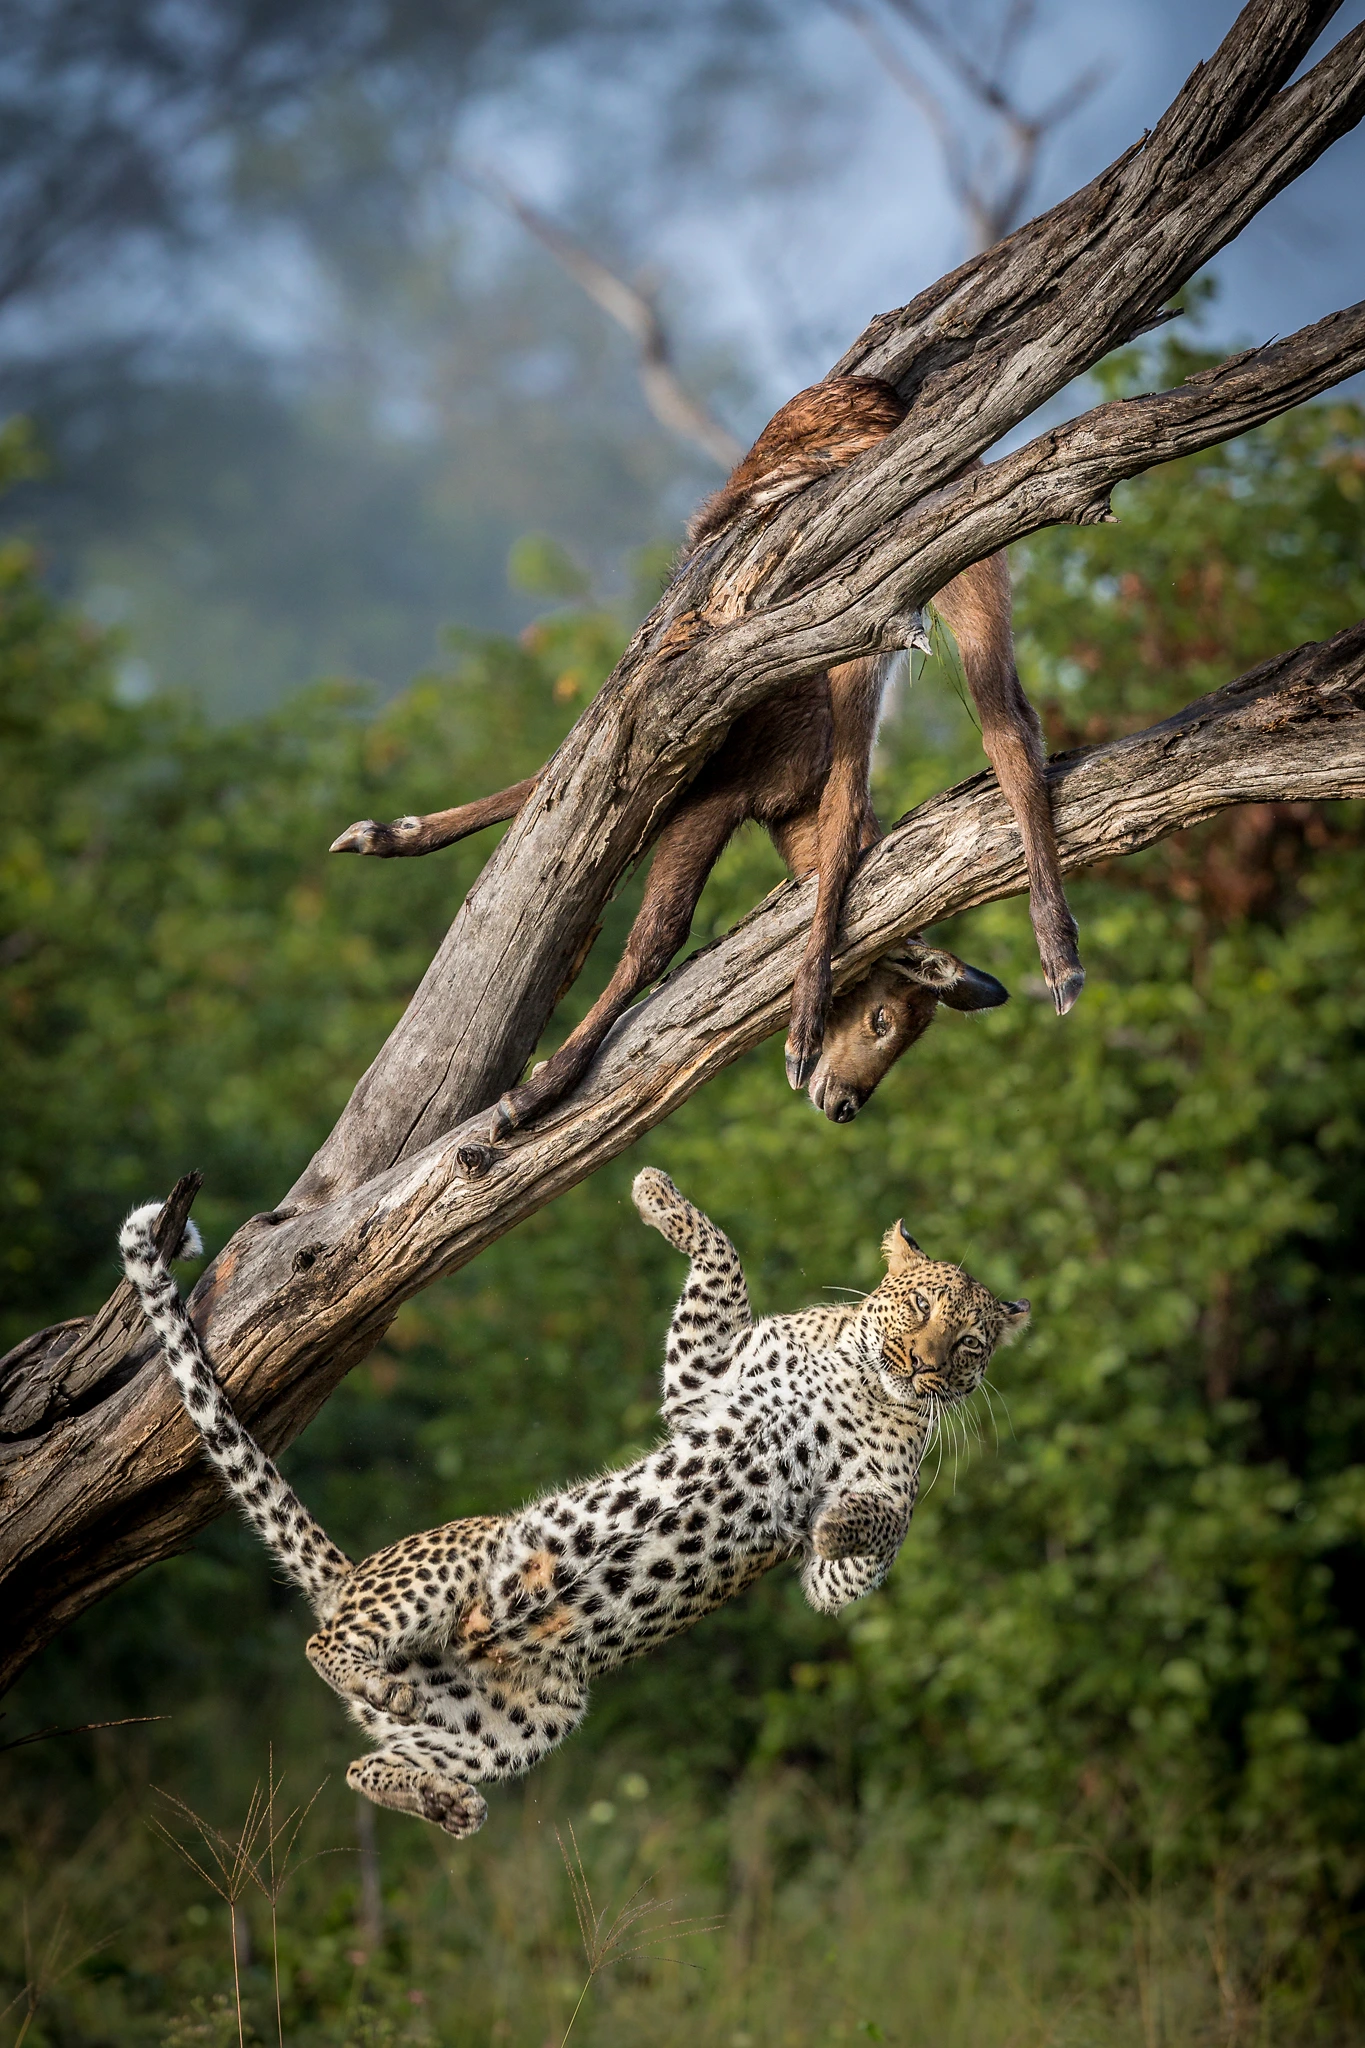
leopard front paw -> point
(663, 1208)
(833, 1539)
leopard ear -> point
(1016, 1314)
(900, 1250)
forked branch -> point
(991, 195)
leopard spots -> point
(467, 1652)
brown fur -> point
(799, 764)
(815, 433)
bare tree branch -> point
(406, 1186)
(294, 1302)
(992, 201)
(839, 572)
(631, 306)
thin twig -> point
(633, 307)
(80, 1728)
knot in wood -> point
(474, 1160)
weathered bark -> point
(841, 569)
(103, 1477)
(293, 1303)
(702, 658)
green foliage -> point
(538, 564)
(1127, 1624)
(834, 1930)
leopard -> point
(467, 1653)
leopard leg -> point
(421, 1778)
(859, 1524)
(362, 1665)
(481, 1729)
(854, 1539)
(713, 1311)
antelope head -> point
(880, 1017)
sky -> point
(830, 201)
(816, 198)
(392, 418)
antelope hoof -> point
(800, 1067)
(367, 835)
(506, 1117)
(1066, 989)
(356, 838)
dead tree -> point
(99, 1471)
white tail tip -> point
(139, 1224)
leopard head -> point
(934, 1327)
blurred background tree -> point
(303, 386)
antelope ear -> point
(974, 989)
(1017, 1314)
(927, 966)
(899, 1249)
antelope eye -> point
(882, 1022)
(921, 1303)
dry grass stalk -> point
(42, 1973)
(604, 1940)
(274, 1865)
(262, 1854)
(228, 1868)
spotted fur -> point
(467, 1652)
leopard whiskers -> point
(953, 1421)
(994, 1394)
(934, 1438)
(990, 1409)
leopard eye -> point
(882, 1023)
(970, 1344)
(921, 1302)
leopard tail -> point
(272, 1507)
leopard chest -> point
(642, 1554)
